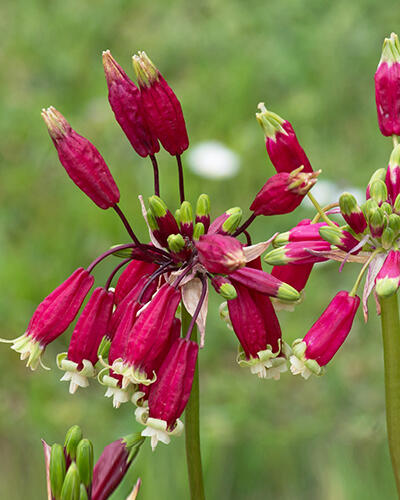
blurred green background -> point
(310, 61)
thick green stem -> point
(192, 426)
(391, 349)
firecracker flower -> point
(140, 340)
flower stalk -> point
(192, 426)
(391, 350)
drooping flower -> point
(220, 254)
(325, 337)
(169, 395)
(53, 316)
(79, 363)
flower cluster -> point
(72, 474)
(134, 337)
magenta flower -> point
(387, 87)
(283, 148)
(161, 106)
(79, 363)
(125, 101)
(81, 160)
(53, 316)
(220, 254)
(169, 395)
(325, 337)
(352, 213)
(283, 192)
(133, 272)
(299, 252)
(257, 328)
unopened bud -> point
(176, 243)
(203, 210)
(378, 191)
(377, 223)
(198, 230)
(379, 174)
(72, 483)
(224, 287)
(186, 219)
(83, 493)
(157, 206)
(152, 221)
(84, 461)
(387, 208)
(394, 223)
(369, 207)
(57, 470)
(387, 239)
(178, 215)
(396, 206)
(72, 438)
(281, 239)
(233, 221)
(352, 213)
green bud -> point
(396, 206)
(287, 293)
(72, 483)
(186, 213)
(176, 242)
(157, 206)
(379, 174)
(203, 205)
(332, 235)
(368, 207)
(152, 221)
(72, 438)
(395, 157)
(178, 216)
(83, 493)
(348, 204)
(387, 208)
(198, 230)
(387, 238)
(394, 223)
(378, 191)
(233, 221)
(84, 461)
(227, 291)
(104, 348)
(281, 239)
(377, 220)
(276, 257)
(133, 442)
(57, 470)
(386, 287)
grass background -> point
(310, 61)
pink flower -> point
(283, 148)
(161, 107)
(220, 254)
(283, 193)
(255, 323)
(170, 393)
(133, 272)
(125, 101)
(53, 316)
(89, 331)
(325, 336)
(81, 160)
(299, 252)
(295, 275)
(387, 87)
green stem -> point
(192, 426)
(391, 350)
(320, 211)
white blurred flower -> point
(326, 192)
(213, 160)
